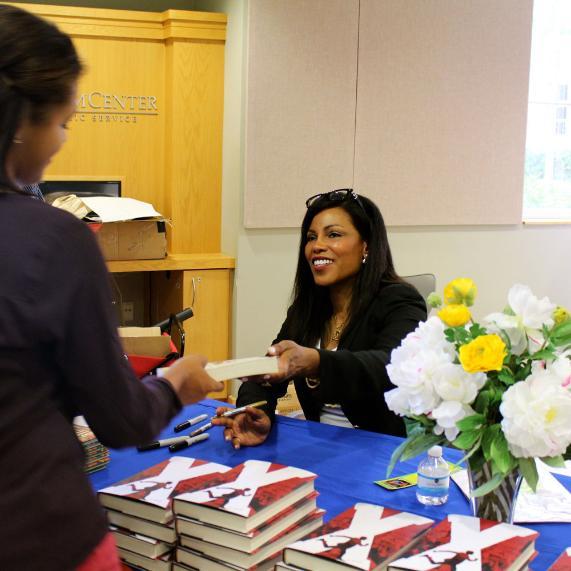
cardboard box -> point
(144, 341)
(132, 240)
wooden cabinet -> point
(202, 282)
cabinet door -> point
(209, 293)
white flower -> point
(453, 383)
(537, 415)
(523, 328)
(447, 415)
(415, 366)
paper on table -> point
(117, 209)
(550, 503)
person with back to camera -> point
(350, 310)
(60, 354)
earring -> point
(364, 260)
(17, 141)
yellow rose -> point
(460, 290)
(560, 315)
(485, 353)
(455, 314)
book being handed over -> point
(365, 536)
(237, 368)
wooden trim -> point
(174, 262)
(157, 26)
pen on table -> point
(160, 443)
(201, 429)
(188, 441)
(190, 422)
(240, 410)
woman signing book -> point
(350, 310)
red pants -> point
(103, 558)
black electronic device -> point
(52, 189)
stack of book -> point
(139, 509)
(371, 538)
(243, 518)
(365, 536)
(486, 545)
(96, 455)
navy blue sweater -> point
(60, 356)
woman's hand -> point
(294, 361)
(249, 428)
(189, 379)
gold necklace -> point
(337, 330)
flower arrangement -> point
(500, 389)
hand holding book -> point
(293, 361)
(189, 379)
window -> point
(547, 182)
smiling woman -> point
(350, 309)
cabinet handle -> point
(195, 282)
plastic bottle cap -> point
(435, 451)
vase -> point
(499, 504)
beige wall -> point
(495, 256)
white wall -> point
(494, 256)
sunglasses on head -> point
(339, 195)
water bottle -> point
(433, 479)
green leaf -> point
(543, 355)
(506, 377)
(529, 472)
(554, 461)
(524, 372)
(419, 445)
(501, 455)
(466, 439)
(561, 334)
(470, 453)
(490, 434)
(482, 402)
(414, 432)
(489, 486)
(471, 422)
(476, 330)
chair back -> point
(424, 283)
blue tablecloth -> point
(346, 461)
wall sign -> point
(100, 107)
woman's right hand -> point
(249, 428)
(190, 380)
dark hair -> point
(311, 304)
(38, 65)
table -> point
(346, 461)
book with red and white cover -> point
(244, 497)
(161, 531)
(161, 563)
(141, 544)
(365, 536)
(271, 550)
(254, 539)
(148, 494)
(465, 542)
(195, 560)
(563, 562)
